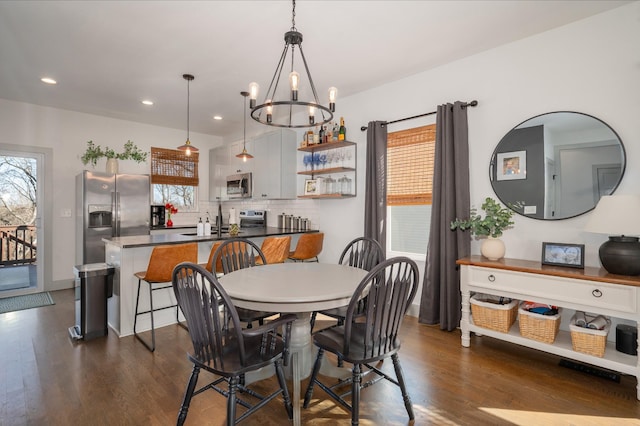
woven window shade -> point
(173, 167)
(410, 157)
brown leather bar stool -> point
(276, 249)
(209, 265)
(159, 275)
(308, 247)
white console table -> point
(589, 289)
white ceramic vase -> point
(492, 248)
(112, 165)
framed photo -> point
(311, 187)
(561, 254)
(511, 165)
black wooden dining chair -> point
(373, 336)
(228, 352)
(364, 253)
(241, 253)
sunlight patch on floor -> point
(520, 417)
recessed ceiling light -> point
(48, 80)
(217, 117)
(146, 102)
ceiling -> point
(108, 56)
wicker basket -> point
(493, 316)
(543, 328)
(587, 340)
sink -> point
(213, 232)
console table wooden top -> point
(534, 267)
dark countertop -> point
(163, 239)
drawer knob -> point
(596, 293)
(492, 278)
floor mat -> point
(27, 301)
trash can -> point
(93, 285)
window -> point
(410, 160)
(174, 178)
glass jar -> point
(345, 185)
(329, 185)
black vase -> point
(621, 255)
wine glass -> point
(330, 157)
(341, 155)
(323, 160)
(307, 161)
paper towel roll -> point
(232, 216)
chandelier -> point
(187, 147)
(282, 112)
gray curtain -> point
(375, 202)
(440, 300)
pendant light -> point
(187, 147)
(282, 112)
(244, 155)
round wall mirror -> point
(557, 165)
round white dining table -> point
(299, 288)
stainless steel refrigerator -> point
(108, 206)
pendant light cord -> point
(188, 96)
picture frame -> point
(311, 187)
(511, 165)
(563, 254)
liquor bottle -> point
(342, 134)
(329, 132)
(336, 131)
(321, 135)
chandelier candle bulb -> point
(312, 113)
(253, 94)
(333, 94)
(294, 80)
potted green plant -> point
(94, 152)
(496, 220)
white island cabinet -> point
(590, 289)
(131, 254)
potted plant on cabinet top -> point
(497, 218)
(95, 152)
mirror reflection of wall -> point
(572, 159)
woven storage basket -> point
(543, 328)
(493, 316)
(587, 340)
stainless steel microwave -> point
(239, 186)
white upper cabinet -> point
(274, 165)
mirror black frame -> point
(529, 178)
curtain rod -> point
(472, 103)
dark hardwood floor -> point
(48, 379)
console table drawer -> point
(599, 295)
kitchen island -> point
(131, 254)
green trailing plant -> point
(497, 218)
(95, 152)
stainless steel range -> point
(253, 219)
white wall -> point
(592, 66)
